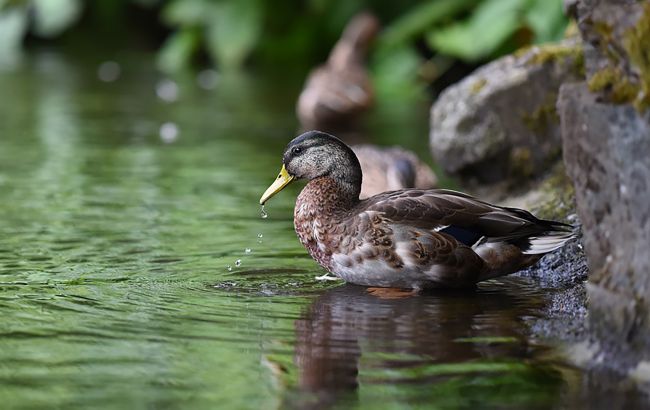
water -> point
(118, 281)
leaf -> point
(394, 72)
(234, 31)
(187, 12)
(178, 50)
(547, 20)
(13, 25)
(54, 16)
(491, 25)
(421, 18)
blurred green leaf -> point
(233, 31)
(178, 50)
(187, 12)
(422, 18)
(394, 72)
(491, 24)
(13, 25)
(54, 16)
(547, 20)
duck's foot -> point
(392, 293)
(327, 277)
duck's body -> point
(391, 168)
(409, 238)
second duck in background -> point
(336, 93)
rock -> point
(617, 56)
(606, 138)
(570, 8)
(501, 120)
(606, 152)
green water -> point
(114, 247)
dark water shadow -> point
(423, 344)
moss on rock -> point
(553, 53)
(559, 195)
(478, 85)
(615, 84)
(619, 81)
(545, 114)
(636, 41)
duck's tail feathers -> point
(547, 242)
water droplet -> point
(167, 90)
(259, 237)
(109, 71)
(263, 213)
(229, 268)
(238, 262)
(168, 132)
(248, 250)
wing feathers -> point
(468, 220)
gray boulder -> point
(501, 120)
(606, 137)
(607, 155)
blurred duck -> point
(338, 91)
(390, 169)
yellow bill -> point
(280, 182)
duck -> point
(337, 92)
(410, 238)
(391, 168)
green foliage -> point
(494, 23)
(231, 32)
(51, 17)
(13, 24)
(468, 30)
(54, 16)
(422, 18)
(178, 49)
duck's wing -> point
(468, 220)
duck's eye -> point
(296, 151)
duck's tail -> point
(554, 238)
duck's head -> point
(316, 154)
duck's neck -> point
(354, 43)
(326, 197)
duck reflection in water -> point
(350, 333)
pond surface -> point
(136, 272)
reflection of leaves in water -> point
(464, 385)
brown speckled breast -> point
(318, 217)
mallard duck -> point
(391, 168)
(338, 91)
(409, 238)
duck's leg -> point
(392, 293)
(327, 277)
